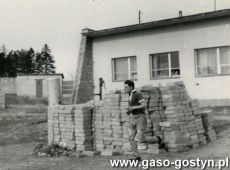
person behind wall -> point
(137, 120)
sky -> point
(58, 23)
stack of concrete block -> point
(197, 111)
(208, 122)
(97, 126)
(155, 108)
(2, 101)
(108, 126)
(83, 128)
(145, 91)
(61, 126)
(152, 113)
(102, 125)
(66, 125)
(112, 119)
(124, 103)
(183, 130)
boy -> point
(137, 120)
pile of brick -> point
(208, 122)
(108, 129)
(61, 128)
(197, 112)
(83, 128)
(124, 119)
(110, 125)
(102, 125)
(152, 98)
(183, 128)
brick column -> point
(83, 89)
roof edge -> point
(58, 74)
(156, 24)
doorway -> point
(39, 88)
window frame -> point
(169, 66)
(129, 67)
(217, 49)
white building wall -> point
(184, 38)
(7, 85)
(26, 85)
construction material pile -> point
(208, 122)
(102, 125)
(83, 128)
(61, 125)
(108, 126)
(183, 128)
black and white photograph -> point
(114, 84)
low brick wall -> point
(102, 125)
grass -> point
(23, 131)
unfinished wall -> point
(101, 125)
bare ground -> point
(21, 129)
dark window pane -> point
(160, 61)
(175, 60)
(163, 61)
(160, 73)
(175, 72)
(121, 68)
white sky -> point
(32, 23)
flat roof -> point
(157, 24)
(58, 74)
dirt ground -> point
(22, 129)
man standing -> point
(137, 120)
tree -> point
(48, 60)
(12, 63)
(38, 63)
(3, 61)
(25, 61)
(44, 61)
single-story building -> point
(28, 85)
(194, 49)
(8, 85)
(35, 85)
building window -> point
(212, 61)
(124, 68)
(165, 65)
